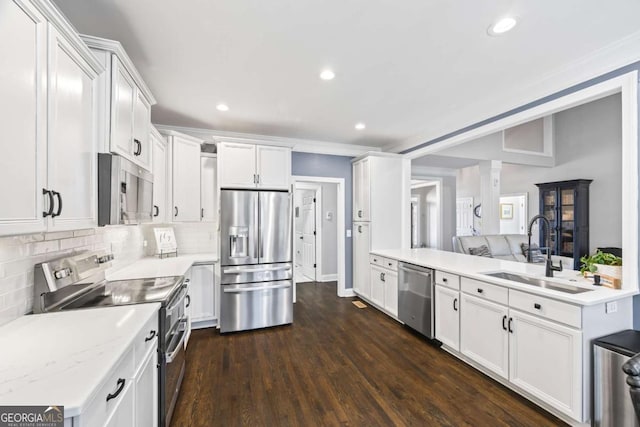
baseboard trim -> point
(328, 278)
(347, 293)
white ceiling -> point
(401, 66)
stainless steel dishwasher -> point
(415, 298)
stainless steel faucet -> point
(549, 267)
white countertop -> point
(61, 358)
(473, 267)
(156, 267)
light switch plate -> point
(349, 233)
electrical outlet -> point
(349, 233)
(611, 307)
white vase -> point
(614, 271)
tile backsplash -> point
(19, 254)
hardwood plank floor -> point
(338, 365)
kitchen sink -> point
(541, 283)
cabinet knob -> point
(480, 290)
(537, 306)
(445, 280)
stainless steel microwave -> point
(125, 191)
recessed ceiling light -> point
(502, 26)
(327, 75)
(360, 126)
(222, 107)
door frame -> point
(317, 188)
(430, 181)
(341, 232)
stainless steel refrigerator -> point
(255, 244)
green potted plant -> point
(602, 263)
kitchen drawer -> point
(447, 279)
(545, 307)
(146, 339)
(376, 259)
(390, 264)
(100, 409)
(485, 290)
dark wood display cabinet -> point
(566, 205)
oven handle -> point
(256, 270)
(255, 288)
(178, 299)
(172, 354)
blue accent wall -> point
(308, 164)
(599, 79)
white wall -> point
(468, 185)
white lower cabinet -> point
(361, 271)
(391, 292)
(202, 295)
(447, 316)
(483, 333)
(383, 284)
(146, 392)
(123, 413)
(536, 343)
(377, 285)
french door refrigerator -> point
(255, 258)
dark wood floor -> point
(338, 365)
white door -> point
(483, 333)
(123, 98)
(361, 283)
(376, 278)
(237, 168)
(23, 41)
(201, 293)
(309, 234)
(186, 180)
(72, 151)
(159, 170)
(546, 361)
(391, 292)
(146, 392)
(273, 167)
(141, 124)
(208, 205)
(464, 216)
(447, 316)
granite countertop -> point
(474, 267)
(62, 358)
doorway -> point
(426, 206)
(319, 231)
(514, 213)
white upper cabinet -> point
(159, 170)
(23, 41)
(185, 177)
(124, 104)
(273, 167)
(47, 82)
(254, 166)
(208, 189)
(72, 149)
(362, 191)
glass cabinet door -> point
(567, 212)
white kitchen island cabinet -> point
(48, 81)
(447, 315)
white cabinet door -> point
(201, 291)
(391, 292)
(237, 168)
(159, 170)
(123, 99)
(361, 267)
(273, 167)
(124, 412)
(546, 361)
(72, 151)
(376, 278)
(365, 191)
(146, 392)
(186, 180)
(208, 205)
(483, 333)
(23, 43)
(141, 126)
(447, 316)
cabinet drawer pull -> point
(359, 214)
(151, 336)
(480, 290)
(455, 304)
(510, 321)
(157, 210)
(201, 213)
(176, 211)
(504, 322)
(188, 298)
(50, 194)
(118, 391)
(537, 306)
(59, 211)
(138, 149)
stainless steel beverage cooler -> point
(612, 406)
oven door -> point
(174, 366)
(174, 313)
(256, 305)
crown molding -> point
(170, 132)
(599, 63)
(116, 47)
(296, 144)
(68, 31)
